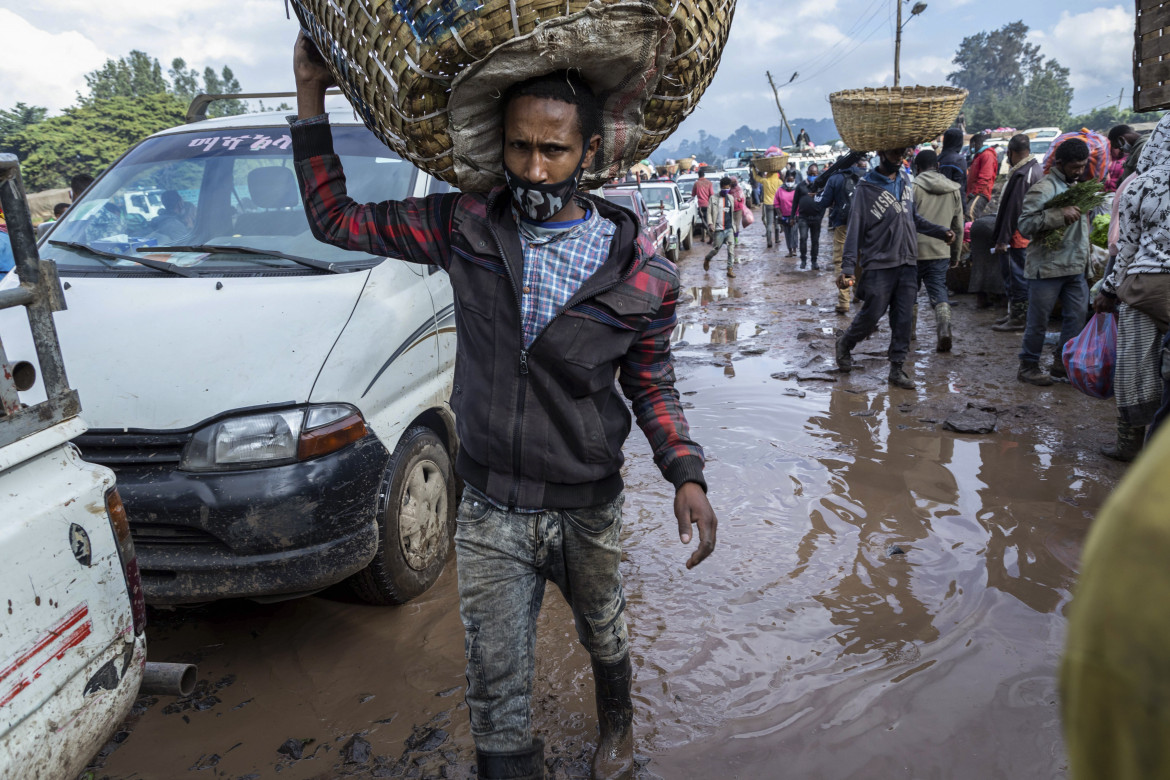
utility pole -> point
(914, 11)
(776, 93)
(898, 46)
(1120, 95)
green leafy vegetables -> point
(1086, 196)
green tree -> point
(1103, 119)
(1009, 82)
(17, 118)
(136, 75)
(90, 137)
(188, 82)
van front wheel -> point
(416, 522)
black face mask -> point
(539, 202)
(887, 168)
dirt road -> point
(887, 598)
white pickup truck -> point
(72, 648)
(663, 198)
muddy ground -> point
(887, 598)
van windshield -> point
(226, 187)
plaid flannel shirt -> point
(419, 230)
(556, 266)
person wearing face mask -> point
(809, 216)
(722, 213)
(785, 205)
(882, 241)
(556, 292)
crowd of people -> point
(904, 220)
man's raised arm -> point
(413, 229)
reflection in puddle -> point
(702, 296)
(817, 644)
(695, 333)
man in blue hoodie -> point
(836, 197)
(882, 239)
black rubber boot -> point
(844, 359)
(1128, 444)
(519, 765)
(1016, 321)
(942, 318)
(1032, 374)
(899, 378)
(614, 759)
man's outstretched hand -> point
(691, 507)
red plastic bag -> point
(748, 217)
(1089, 358)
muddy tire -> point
(689, 241)
(416, 522)
(672, 252)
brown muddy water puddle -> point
(887, 598)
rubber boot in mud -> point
(1128, 444)
(842, 353)
(614, 759)
(518, 765)
(914, 324)
(1016, 321)
(899, 378)
(942, 319)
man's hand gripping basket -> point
(426, 76)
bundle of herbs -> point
(1086, 196)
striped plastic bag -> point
(1098, 152)
(1090, 357)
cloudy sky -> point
(47, 47)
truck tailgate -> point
(70, 663)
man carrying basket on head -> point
(555, 292)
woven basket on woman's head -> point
(426, 76)
(879, 118)
(773, 164)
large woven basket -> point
(397, 61)
(878, 118)
(771, 164)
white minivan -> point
(275, 408)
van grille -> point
(162, 534)
(116, 449)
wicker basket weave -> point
(878, 118)
(771, 164)
(396, 61)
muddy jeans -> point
(771, 218)
(504, 559)
(1014, 283)
(1073, 294)
(843, 296)
(809, 229)
(892, 289)
(933, 274)
(724, 237)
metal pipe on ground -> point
(161, 679)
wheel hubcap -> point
(422, 515)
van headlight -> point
(273, 438)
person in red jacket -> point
(980, 177)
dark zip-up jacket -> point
(952, 163)
(883, 229)
(543, 426)
(835, 195)
(1011, 203)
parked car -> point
(678, 212)
(72, 647)
(275, 408)
(1042, 133)
(630, 198)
